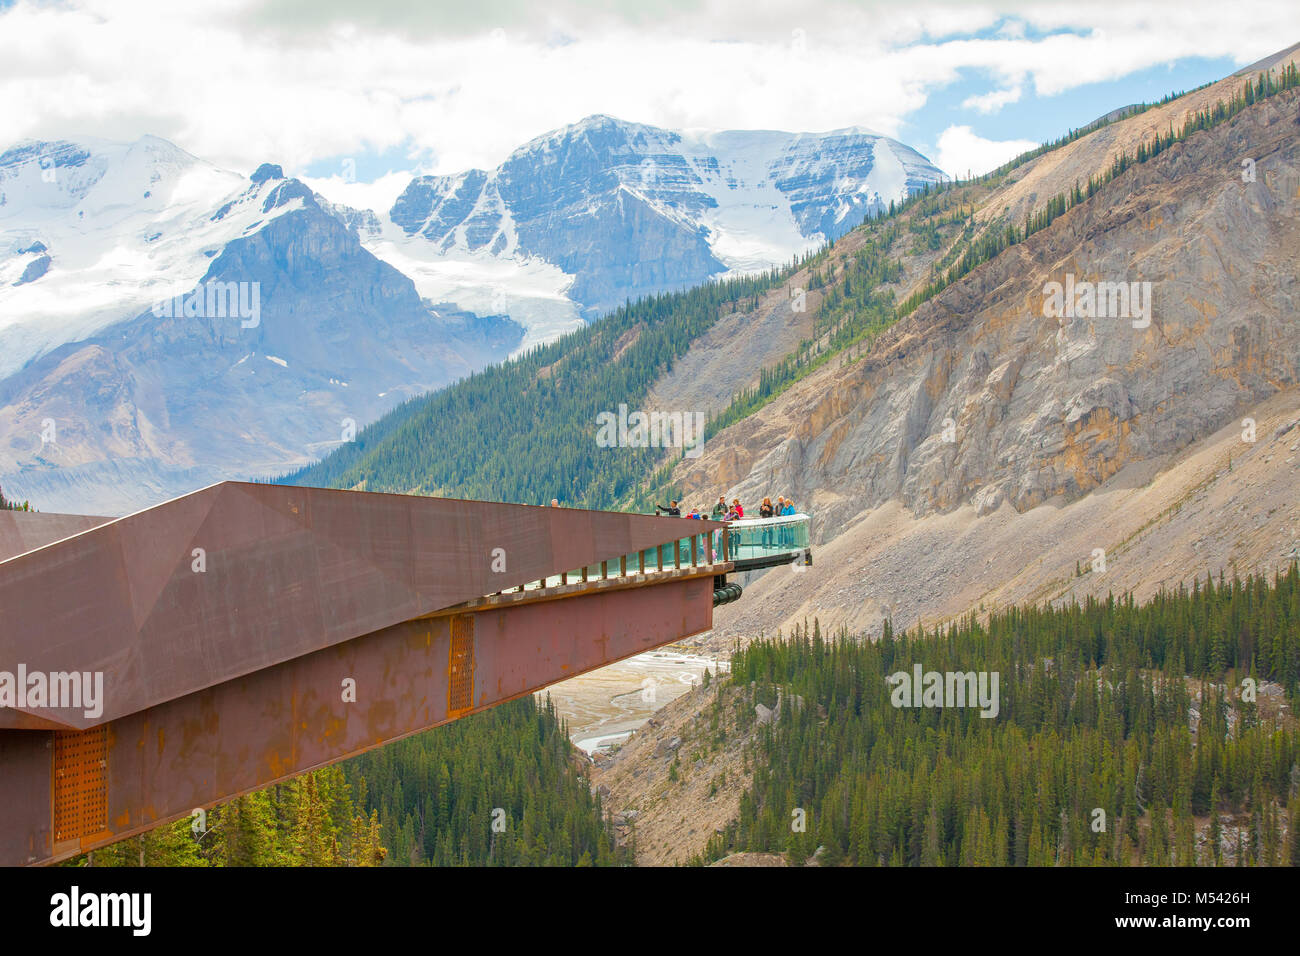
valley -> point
(1097, 503)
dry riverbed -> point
(604, 706)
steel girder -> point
(247, 633)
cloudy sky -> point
(382, 87)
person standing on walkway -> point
(719, 514)
(787, 531)
(734, 514)
(765, 510)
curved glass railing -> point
(767, 537)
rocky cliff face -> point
(979, 398)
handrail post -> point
(695, 550)
(661, 558)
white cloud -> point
(962, 152)
(992, 102)
(242, 82)
(379, 195)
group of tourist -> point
(730, 512)
(781, 536)
(723, 511)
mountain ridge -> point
(94, 235)
(678, 207)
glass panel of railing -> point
(713, 541)
(629, 563)
(708, 550)
(754, 538)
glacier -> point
(361, 308)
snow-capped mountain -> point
(93, 231)
(119, 385)
(622, 210)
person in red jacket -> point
(735, 514)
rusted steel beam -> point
(246, 633)
(239, 577)
(69, 792)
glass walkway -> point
(766, 542)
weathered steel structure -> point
(246, 633)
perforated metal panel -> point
(80, 783)
(460, 665)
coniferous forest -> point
(524, 430)
(496, 788)
(1158, 734)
